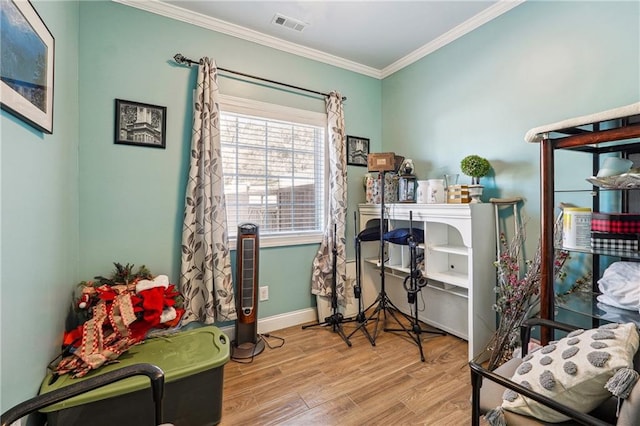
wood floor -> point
(316, 379)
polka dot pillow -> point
(574, 370)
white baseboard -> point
(278, 322)
(290, 319)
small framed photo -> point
(140, 124)
(357, 151)
(26, 74)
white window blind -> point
(274, 171)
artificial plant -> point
(476, 167)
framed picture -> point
(357, 151)
(26, 69)
(140, 124)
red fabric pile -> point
(120, 317)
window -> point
(274, 170)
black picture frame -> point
(357, 151)
(140, 124)
(26, 74)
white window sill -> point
(284, 240)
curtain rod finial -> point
(179, 58)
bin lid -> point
(179, 355)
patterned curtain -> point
(322, 279)
(205, 279)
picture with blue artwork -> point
(26, 69)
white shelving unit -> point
(459, 253)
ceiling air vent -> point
(291, 23)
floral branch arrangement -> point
(517, 293)
(580, 285)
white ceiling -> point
(374, 38)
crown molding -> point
(502, 6)
(200, 20)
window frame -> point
(232, 104)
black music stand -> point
(382, 304)
(413, 284)
(365, 235)
(336, 319)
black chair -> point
(155, 374)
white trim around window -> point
(235, 105)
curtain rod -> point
(179, 58)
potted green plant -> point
(476, 167)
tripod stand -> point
(383, 304)
(413, 284)
(336, 319)
(357, 288)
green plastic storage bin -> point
(193, 362)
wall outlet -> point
(264, 293)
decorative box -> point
(605, 241)
(458, 194)
(620, 223)
(382, 162)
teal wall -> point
(539, 63)
(39, 221)
(131, 198)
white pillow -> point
(620, 282)
(573, 370)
